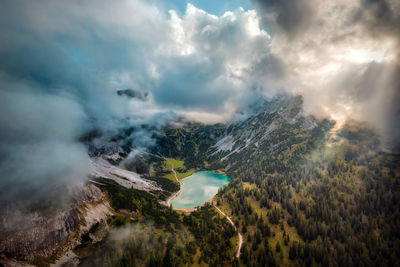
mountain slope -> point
(301, 194)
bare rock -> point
(26, 236)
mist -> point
(342, 56)
(63, 64)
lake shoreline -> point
(201, 189)
(175, 195)
(189, 210)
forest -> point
(334, 206)
(321, 196)
(146, 233)
(304, 196)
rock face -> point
(39, 238)
(87, 194)
(266, 128)
(99, 167)
(25, 236)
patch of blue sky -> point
(215, 7)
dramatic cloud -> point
(59, 70)
(211, 61)
(343, 56)
(63, 62)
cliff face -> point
(39, 238)
(25, 237)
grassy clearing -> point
(170, 163)
(178, 166)
(167, 165)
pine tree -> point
(278, 247)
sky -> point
(62, 62)
(213, 7)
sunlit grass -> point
(170, 163)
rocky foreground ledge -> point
(39, 235)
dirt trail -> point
(168, 203)
(234, 226)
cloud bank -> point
(343, 56)
(62, 64)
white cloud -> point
(337, 54)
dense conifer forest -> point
(305, 196)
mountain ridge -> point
(288, 170)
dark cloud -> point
(291, 17)
(130, 93)
(381, 17)
(392, 110)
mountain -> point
(327, 196)
(272, 127)
(303, 192)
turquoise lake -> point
(198, 188)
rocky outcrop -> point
(87, 194)
(40, 237)
(27, 236)
(99, 167)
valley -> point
(187, 133)
(292, 199)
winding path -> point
(234, 226)
(177, 193)
(168, 203)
